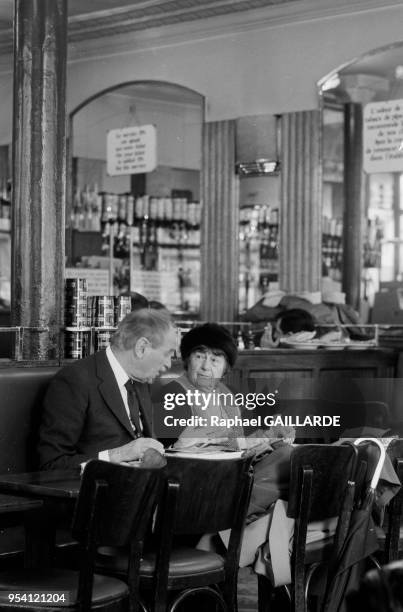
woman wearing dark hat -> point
(208, 352)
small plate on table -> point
(299, 345)
(334, 346)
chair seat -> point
(184, 563)
(105, 589)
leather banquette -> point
(21, 393)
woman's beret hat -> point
(212, 336)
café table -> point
(50, 496)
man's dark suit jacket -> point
(83, 414)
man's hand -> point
(135, 450)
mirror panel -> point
(376, 77)
(143, 230)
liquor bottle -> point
(240, 342)
(151, 249)
(96, 207)
(77, 216)
(266, 341)
(5, 210)
(250, 341)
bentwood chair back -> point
(114, 508)
(204, 496)
(212, 496)
(320, 490)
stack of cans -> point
(77, 333)
(123, 305)
(76, 302)
(106, 313)
(84, 314)
(102, 309)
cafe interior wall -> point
(249, 64)
(178, 127)
(256, 68)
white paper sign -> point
(131, 150)
(97, 279)
(383, 136)
(160, 286)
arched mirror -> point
(362, 104)
(134, 208)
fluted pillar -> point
(220, 224)
(39, 170)
(300, 210)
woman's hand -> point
(279, 432)
(258, 445)
(201, 436)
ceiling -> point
(92, 19)
(97, 18)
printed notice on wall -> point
(131, 150)
(97, 279)
(383, 136)
(161, 286)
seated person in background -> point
(327, 309)
(208, 351)
(296, 324)
(286, 323)
(157, 305)
(100, 406)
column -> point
(39, 171)
(300, 211)
(220, 224)
(353, 207)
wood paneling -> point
(300, 211)
(220, 224)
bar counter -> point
(376, 358)
(291, 372)
(376, 362)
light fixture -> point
(258, 145)
(259, 167)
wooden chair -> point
(320, 489)
(391, 539)
(114, 507)
(203, 496)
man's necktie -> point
(134, 408)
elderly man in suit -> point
(100, 407)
